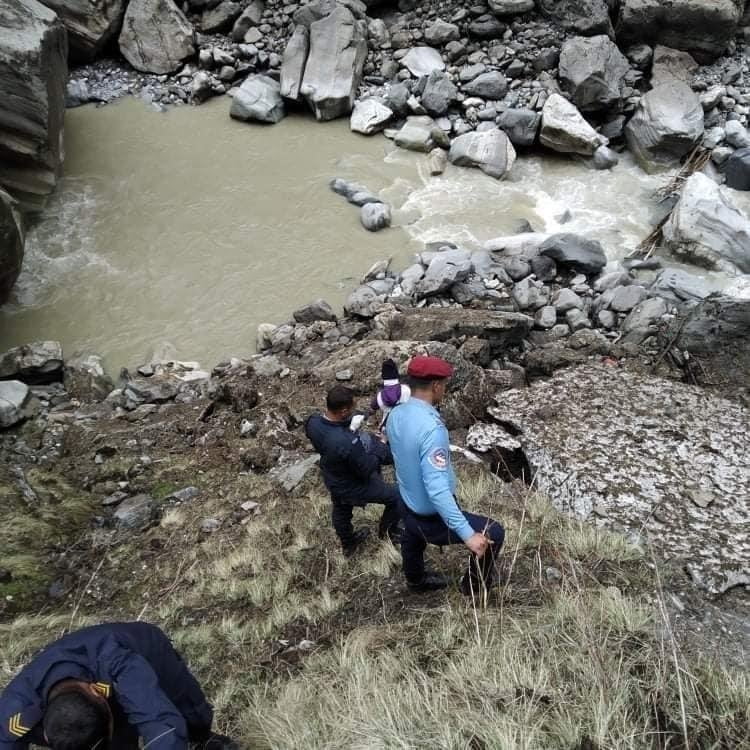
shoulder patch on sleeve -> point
(438, 459)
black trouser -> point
(125, 736)
(373, 491)
(419, 531)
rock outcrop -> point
(33, 76)
(333, 70)
(156, 37)
(90, 24)
(702, 27)
(667, 125)
(706, 229)
(11, 244)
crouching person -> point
(105, 688)
(350, 463)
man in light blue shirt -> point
(421, 453)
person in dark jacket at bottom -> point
(103, 688)
(350, 463)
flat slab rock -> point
(660, 459)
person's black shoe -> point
(429, 582)
(472, 587)
(218, 742)
(360, 536)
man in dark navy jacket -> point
(350, 462)
(102, 688)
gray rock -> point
(705, 228)
(364, 302)
(33, 75)
(156, 37)
(421, 61)
(444, 270)
(77, 94)
(604, 158)
(90, 24)
(567, 299)
(517, 268)
(607, 319)
(546, 317)
(318, 9)
(438, 161)
(736, 134)
(577, 320)
(492, 85)
(574, 251)
(702, 27)
(565, 130)
(85, 378)
(671, 63)
(210, 525)
(410, 277)
(625, 298)
(667, 125)
(486, 27)
(397, 98)
(440, 32)
(510, 7)
(586, 17)
(491, 151)
(375, 216)
(268, 366)
(370, 116)
(680, 286)
(612, 280)
(154, 390)
(356, 194)
(592, 71)
(338, 48)
(439, 92)
(737, 169)
(520, 125)
(530, 294)
(640, 55)
(250, 16)
(290, 477)
(201, 87)
(645, 315)
(13, 398)
(136, 512)
(417, 134)
(544, 268)
(221, 17)
(377, 33)
(293, 63)
(11, 244)
(712, 97)
(258, 99)
(39, 362)
(317, 310)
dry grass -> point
(300, 648)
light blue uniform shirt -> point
(421, 453)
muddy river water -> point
(189, 228)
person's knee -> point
(496, 533)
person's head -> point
(77, 717)
(340, 403)
(427, 377)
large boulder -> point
(370, 116)
(510, 7)
(490, 150)
(14, 396)
(586, 17)
(574, 251)
(419, 133)
(259, 100)
(293, 62)
(444, 270)
(705, 228)
(737, 169)
(338, 48)
(33, 76)
(439, 93)
(702, 27)
(156, 37)
(565, 130)
(90, 23)
(11, 244)
(39, 362)
(592, 71)
(221, 17)
(667, 125)
(520, 125)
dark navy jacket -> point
(348, 460)
(133, 664)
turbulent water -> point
(191, 228)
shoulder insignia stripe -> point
(103, 688)
(16, 728)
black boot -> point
(358, 539)
(430, 582)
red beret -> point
(429, 367)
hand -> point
(477, 543)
